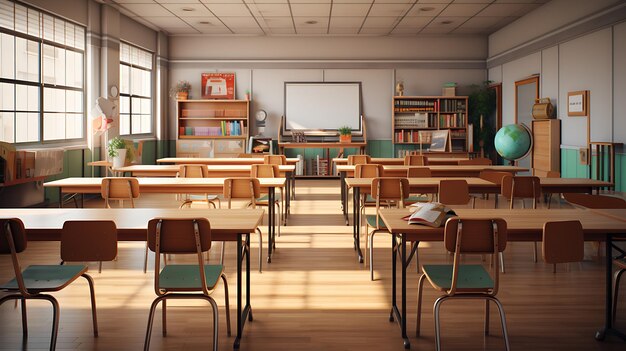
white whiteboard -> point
(322, 106)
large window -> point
(135, 90)
(41, 76)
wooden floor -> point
(316, 296)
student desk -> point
(226, 225)
(523, 225)
(389, 161)
(175, 186)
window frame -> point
(130, 94)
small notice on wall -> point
(218, 86)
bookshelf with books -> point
(415, 117)
(212, 128)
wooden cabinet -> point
(414, 114)
(212, 128)
(546, 154)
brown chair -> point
(455, 192)
(35, 282)
(415, 160)
(119, 188)
(247, 189)
(563, 242)
(479, 161)
(496, 178)
(386, 192)
(183, 282)
(467, 237)
(595, 201)
(367, 170)
(521, 187)
(275, 159)
(418, 172)
(197, 171)
(358, 159)
(269, 171)
(553, 174)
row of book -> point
(457, 134)
(226, 128)
(419, 120)
(452, 120)
(452, 105)
(412, 137)
(415, 103)
(213, 113)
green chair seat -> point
(413, 199)
(185, 277)
(473, 277)
(201, 197)
(42, 278)
(371, 221)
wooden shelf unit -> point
(546, 153)
(436, 113)
(208, 128)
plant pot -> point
(345, 138)
(120, 159)
(247, 97)
(181, 95)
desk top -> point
(424, 182)
(220, 160)
(446, 168)
(46, 223)
(323, 144)
(176, 168)
(400, 161)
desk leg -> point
(241, 319)
(287, 199)
(344, 195)
(60, 197)
(271, 224)
(356, 218)
(608, 313)
(396, 314)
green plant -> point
(344, 130)
(115, 144)
(482, 107)
(182, 86)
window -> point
(135, 90)
(41, 76)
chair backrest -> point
(179, 236)
(553, 174)
(454, 192)
(521, 187)
(595, 201)
(563, 242)
(368, 170)
(13, 241)
(119, 188)
(242, 189)
(265, 171)
(358, 159)
(418, 172)
(415, 160)
(88, 241)
(494, 176)
(193, 171)
(390, 189)
(479, 161)
(275, 159)
(475, 236)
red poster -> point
(218, 86)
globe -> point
(513, 141)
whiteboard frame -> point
(329, 131)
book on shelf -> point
(432, 214)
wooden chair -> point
(269, 171)
(197, 171)
(367, 170)
(275, 159)
(89, 241)
(418, 172)
(359, 159)
(563, 242)
(521, 187)
(553, 174)
(415, 160)
(467, 237)
(119, 188)
(182, 282)
(496, 178)
(35, 282)
(595, 201)
(479, 161)
(455, 192)
(387, 192)
(247, 189)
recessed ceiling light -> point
(188, 9)
(311, 22)
(204, 22)
(446, 22)
(426, 8)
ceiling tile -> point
(435, 30)
(522, 1)
(462, 9)
(387, 22)
(271, 10)
(243, 21)
(302, 22)
(502, 10)
(455, 22)
(147, 9)
(198, 10)
(405, 31)
(395, 1)
(420, 2)
(229, 9)
(310, 9)
(482, 22)
(310, 1)
(415, 21)
(350, 9)
(134, 1)
(475, 1)
(471, 31)
(290, 30)
(215, 30)
(165, 21)
(181, 30)
(247, 30)
(278, 22)
(375, 31)
(312, 30)
(346, 22)
(227, 1)
(427, 10)
(386, 10)
(344, 30)
(195, 21)
(353, 1)
(177, 1)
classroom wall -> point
(588, 61)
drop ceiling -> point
(326, 17)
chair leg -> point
(260, 250)
(145, 260)
(618, 277)
(227, 304)
(503, 321)
(222, 253)
(420, 289)
(486, 317)
(164, 318)
(216, 322)
(155, 303)
(436, 310)
(535, 252)
(371, 247)
(92, 293)
(501, 254)
(100, 267)
(24, 319)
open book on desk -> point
(432, 214)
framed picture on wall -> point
(218, 86)
(578, 103)
(440, 140)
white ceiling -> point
(327, 17)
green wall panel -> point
(571, 168)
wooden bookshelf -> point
(414, 114)
(212, 128)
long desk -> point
(220, 160)
(361, 145)
(226, 225)
(522, 225)
(393, 161)
(175, 186)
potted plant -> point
(482, 106)
(247, 95)
(117, 152)
(345, 134)
(181, 90)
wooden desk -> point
(106, 164)
(361, 145)
(226, 225)
(175, 186)
(523, 225)
(220, 160)
(148, 170)
(391, 161)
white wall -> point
(619, 83)
(512, 72)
